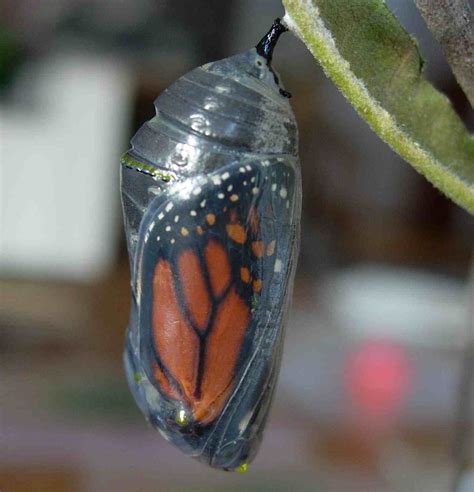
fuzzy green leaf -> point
(374, 62)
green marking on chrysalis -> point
(137, 377)
(127, 161)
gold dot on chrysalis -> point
(182, 417)
(243, 468)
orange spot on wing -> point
(222, 351)
(237, 233)
(258, 248)
(245, 275)
(194, 288)
(175, 342)
(211, 219)
(218, 267)
(257, 285)
(200, 230)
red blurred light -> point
(378, 377)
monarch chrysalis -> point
(211, 193)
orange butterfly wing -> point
(174, 337)
(200, 356)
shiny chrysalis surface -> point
(211, 192)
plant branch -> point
(375, 63)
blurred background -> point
(371, 383)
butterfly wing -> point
(212, 276)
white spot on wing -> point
(278, 266)
(169, 206)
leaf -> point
(376, 64)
